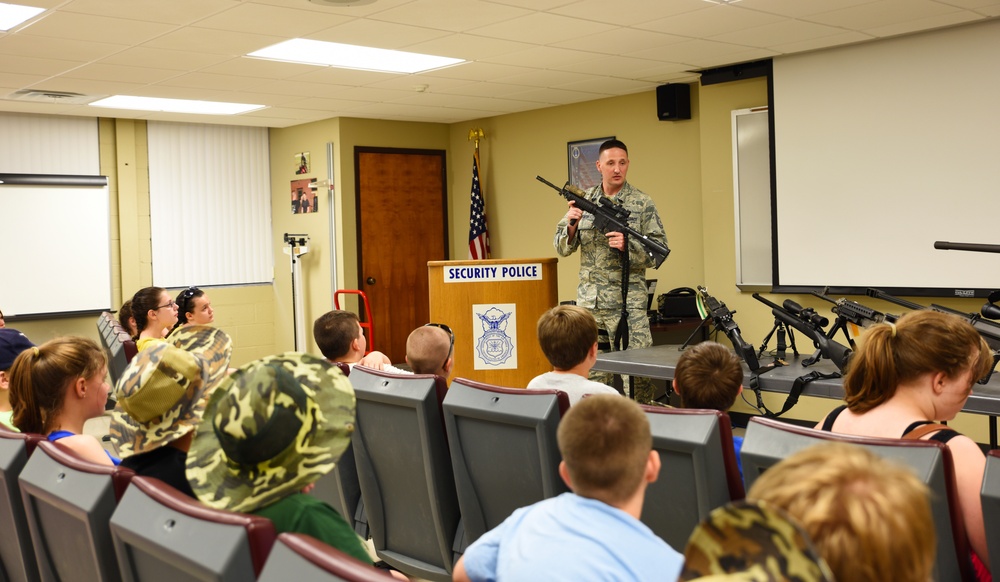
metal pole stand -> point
(296, 245)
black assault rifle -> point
(986, 328)
(610, 217)
(722, 318)
(806, 320)
(848, 311)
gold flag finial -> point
(477, 134)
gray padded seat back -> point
(17, 557)
(68, 503)
(302, 558)
(990, 496)
(698, 471)
(162, 535)
(503, 450)
(404, 470)
(768, 441)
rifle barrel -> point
(974, 247)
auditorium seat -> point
(161, 534)
(68, 503)
(340, 487)
(17, 557)
(991, 506)
(118, 345)
(404, 470)
(503, 450)
(768, 441)
(698, 474)
(303, 558)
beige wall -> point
(523, 212)
(345, 134)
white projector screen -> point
(881, 149)
(55, 245)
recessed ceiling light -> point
(349, 56)
(13, 14)
(175, 105)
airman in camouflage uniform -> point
(600, 266)
(752, 541)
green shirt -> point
(301, 513)
(5, 419)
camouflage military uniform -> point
(600, 273)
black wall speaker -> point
(673, 101)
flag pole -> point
(479, 241)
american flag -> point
(479, 237)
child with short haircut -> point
(568, 337)
(709, 375)
(12, 343)
(593, 533)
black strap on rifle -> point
(793, 394)
(621, 332)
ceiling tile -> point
(103, 72)
(63, 49)
(67, 26)
(38, 67)
(783, 32)
(452, 15)
(937, 21)
(261, 68)
(220, 42)
(210, 81)
(172, 12)
(374, 33)
(543, 57)
(177, 60)
(620, 41)
(881, 13)
(550, 27)
(272, 20)
(812, 44)
(467, 46)
(710, 21)
(629, 12)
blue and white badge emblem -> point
(495, 346)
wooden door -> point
(402, 224)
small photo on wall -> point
(302, 163)
(303, 196)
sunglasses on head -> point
(187, 295)
(451, 336)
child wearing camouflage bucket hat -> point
(272, 428)
(161, 398)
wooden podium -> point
(479, 300)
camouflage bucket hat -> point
(273, 427)
(752, 541)
(162, 394)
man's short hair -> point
(869, 517)
(566, 333)
(708, 375)
(334, 331)
(605, 441)
(611, 144)
(427, 349)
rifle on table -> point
(722, 318)
(989, 330)
(810, 323)
(848, 311)
(610, 217)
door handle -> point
(370, 280)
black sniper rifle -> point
(988, 329)
(848, 311)
(722, 317)
(806, 320)
(610, 217)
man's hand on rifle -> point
(573, 216)
(616, 240)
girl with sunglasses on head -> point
(194, 308)
(155, 314)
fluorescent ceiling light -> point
(174, 105)
(13, 14)
(349, 56)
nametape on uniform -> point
(523, 272)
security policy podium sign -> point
(493, 307)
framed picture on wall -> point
(581, 157)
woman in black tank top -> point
(916, 372)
